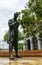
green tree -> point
(20, 35)
(36, 7)
(5, 36)
(31, 17)
(28, 22)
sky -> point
(7, 9)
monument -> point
(13, 35)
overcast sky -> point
(7, 9)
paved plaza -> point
(21, 61)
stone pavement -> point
(21, 61)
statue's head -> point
(16, 15)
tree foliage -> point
(20, 35)
(6, 36)
(36, 7)
(31, 19)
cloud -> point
(8, 3)
(12, 4)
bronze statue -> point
(13, 35)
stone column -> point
(31, 46)
(39, 45)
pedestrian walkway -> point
(21, 61)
